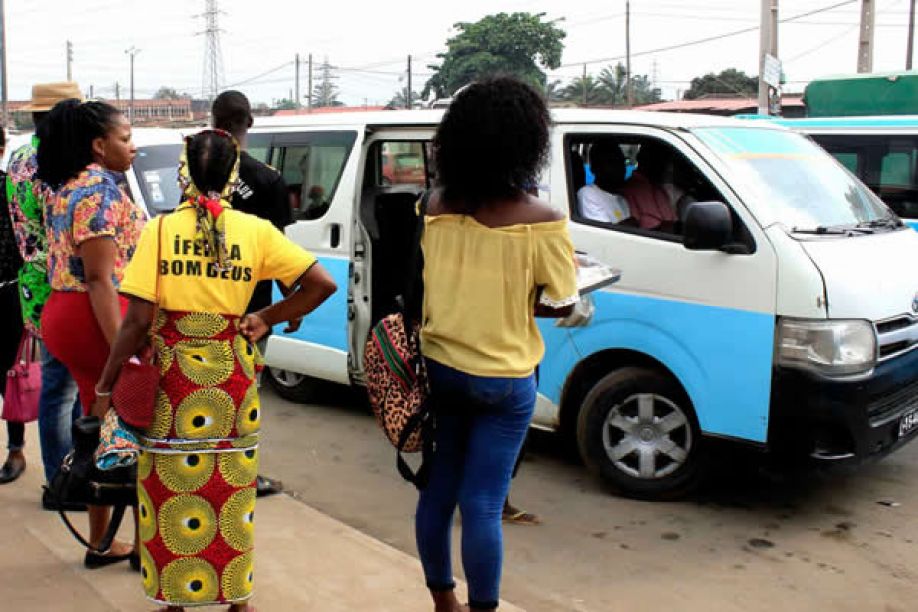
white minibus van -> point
(777, 308)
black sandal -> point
(94, 560)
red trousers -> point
(72, 334)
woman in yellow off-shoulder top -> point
(494, 259)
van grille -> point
(896, 336)
(890, 406)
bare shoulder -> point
(541, 211)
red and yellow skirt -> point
(197, 469)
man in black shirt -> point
(262, 192)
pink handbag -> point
(23, 383)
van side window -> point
(888, 165)
(632, 182)
(312, 168)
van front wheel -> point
(292, 386)
(636, 429)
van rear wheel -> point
(292, 386)
(637, 430)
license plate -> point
(908, 422)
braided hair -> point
(65, 138)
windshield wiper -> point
(832, 230)
(888, 222)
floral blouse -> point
(92, 205)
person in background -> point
(93, 228)
(601, 200)
(494, 258)
(58, 405)
(11, 330)
(199, 460)
(261, 191)
(650, 204)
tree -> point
(284, 104)
(585, 91)
(730, 81)
(609, 89)
(325, 92)
(515, 44)
(554, 92)
(168, 93)
(398, 100)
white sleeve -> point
(592, 206)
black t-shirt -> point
(262, 192)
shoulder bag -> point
(23, 383)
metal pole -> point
(5, 100)
(69, 61)
(629, 86)
(132, 52)
(408, 96)
(910, 47)
(309, 85)
(764, 45)
(865, 43)
(774, 51)
(297, 98)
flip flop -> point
(521, 517)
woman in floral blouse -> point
(93, 228)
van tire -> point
(291, 386)
(667, 446)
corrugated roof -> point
(715, 104)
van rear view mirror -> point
(707, 226)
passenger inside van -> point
(651, 205)
(601, 200)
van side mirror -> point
(707, 226)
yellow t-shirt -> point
(189, 280)
(480, 288)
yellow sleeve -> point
(140, 274)
(282, 259)
(555, 270)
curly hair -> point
(65, 138)
(491, 144)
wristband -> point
(100, 394)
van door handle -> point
(335, 235)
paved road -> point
(749, 541)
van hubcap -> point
(647, 436)
(286, 378)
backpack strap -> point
(423, 421)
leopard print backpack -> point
(396, 378)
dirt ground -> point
(750, 540)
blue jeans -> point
(480, 427)
(58, 407)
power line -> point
(213, 56)
(260, 76)
(709, 38)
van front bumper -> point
(844, 421)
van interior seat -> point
(396, 221)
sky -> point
(369, 41)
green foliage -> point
(399, 99)
(168, 93)
(515, 44)
(325, 92)
(609, 89)
(731, 81)
(284, 104)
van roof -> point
(410, 118)
(146, 137)
(853, 123)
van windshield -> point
(802, 186)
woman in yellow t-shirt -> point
(494, 259)
(199, 459)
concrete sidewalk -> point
(305, 560)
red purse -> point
(134, 393)
(23, 384)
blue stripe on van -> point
(721, 356)
(327, 324)
(913, 223)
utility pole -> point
(768, 46)
(5, 100)
(629, 88)
(69, 61)
(117, 90)
(865, 43)
(910, 46)
(92, 91)
(408, 104)
(583, 85)
(132, 52)
(297, 98)
(309, 85)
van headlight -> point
(832, 348)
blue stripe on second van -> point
(721, 356)
(327, 324)
(913, 223)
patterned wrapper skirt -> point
(199, 460)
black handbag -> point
(79, 481)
